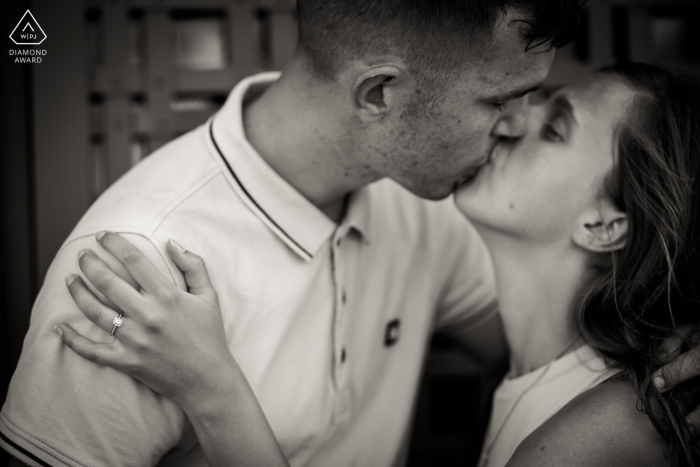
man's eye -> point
(500, 106)
(550, 134)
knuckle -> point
(139, 344)
(131, 256)
(92, 312)
(168, 296)
(103, 282)
(151, 323)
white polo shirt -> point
(329, 322)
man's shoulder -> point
(601, 426)
(151, 190)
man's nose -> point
(513, 122)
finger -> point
(693, 419)
(91, 307)
(107, 282)
(686, 366)
(670, 348)
(139, 266)
(194, 269)
(102, 354)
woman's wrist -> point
(209, 393)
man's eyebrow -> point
(563, 103)
(517, 94)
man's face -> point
(433, 146)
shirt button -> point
(345, 298)
(338, 242)
(342, 355)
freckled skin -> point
(429, 144)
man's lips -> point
(477, 168)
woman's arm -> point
(601, 427)
(231, 426)
(174, 342)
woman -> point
(591, 220)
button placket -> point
(341, 354)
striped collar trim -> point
(285, 211)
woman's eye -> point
(550, 134)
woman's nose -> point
(513, 122)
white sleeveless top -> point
(566, 378)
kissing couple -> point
(318, 200)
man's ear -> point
(374, 91)
(601, 229)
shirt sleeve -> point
(62, 410)
(469, 297)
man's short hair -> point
(430, 35)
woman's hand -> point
(171, 340)
(174, 342)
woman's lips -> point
(474, 171)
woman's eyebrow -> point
(562, 103)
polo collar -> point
(285, 211)
(357, 215)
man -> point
(330, 287)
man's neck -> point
(537, 287)
(298, 129)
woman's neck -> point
(537, 286)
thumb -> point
(684, 367)
(194, 269)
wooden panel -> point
(61, 126)
(161, 81)
(212, 81)
(284, 38)
(244, 55)
(117, 140)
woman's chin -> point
(478, 207)
(469, 198)
(468, 202)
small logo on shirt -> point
(392, 333)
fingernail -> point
(177, 246)
(81, 253)
(58, 330)
(100, 234)
(659, 382)
(69, 280)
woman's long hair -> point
(649, 290)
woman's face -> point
(536, 188)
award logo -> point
(28, 32)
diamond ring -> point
(116, 322)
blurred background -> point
(121, 78)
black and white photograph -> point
(350, 233)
